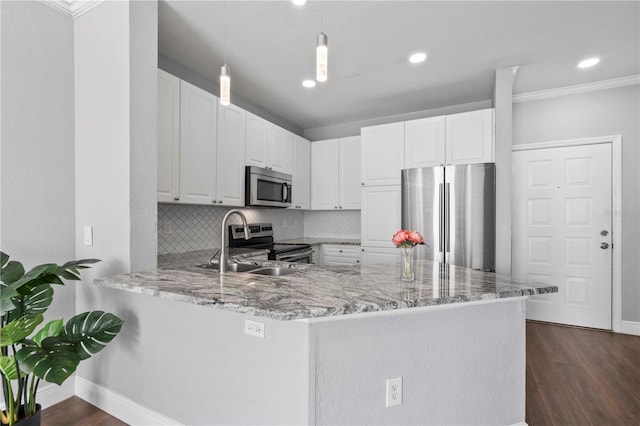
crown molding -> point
(73, 8)
(579, 88)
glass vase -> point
(407, 269)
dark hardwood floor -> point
(575, 376)
(578, 376)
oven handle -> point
(295, 256)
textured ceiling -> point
(270, 48)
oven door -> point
(298, 256)
(267, 188)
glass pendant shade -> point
(225, 85)
(322, 53)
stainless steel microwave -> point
(268, 188)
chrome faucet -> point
(223, 256)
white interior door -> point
(562, 203)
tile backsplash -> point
(332, 224)
(183, 228)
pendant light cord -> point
(224, 31)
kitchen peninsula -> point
(332, 337)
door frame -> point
(616, 207)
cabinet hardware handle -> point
(219, 201)
(357, 261)
(335, 207)
(340, 207)
(214, 201)
(340, 251)
(362, 183)
(176, 198)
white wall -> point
(600, 113)
(37, 146)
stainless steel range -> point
(262, 238)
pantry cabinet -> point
(300, 173)
(335, 174)
(380, 217)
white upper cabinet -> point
(325, 174)
(257, 145)
(268, 145)
(350, 173)
(382, 154)
(424, 142)
(470, 137)
(279, 149)
(300, 173)
(463, 138)
(335, 174)
(231, 155)
(198, 115)
(168, 137)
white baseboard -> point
(630, 327)
(119, 405)
(50, 394)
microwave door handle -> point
(285, 192)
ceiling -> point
(270, 48)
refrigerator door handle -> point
(447, 217)
(441, 235)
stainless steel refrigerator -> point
(453, 207)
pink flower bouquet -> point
(406, 238)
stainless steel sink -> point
(233, 267)
(273, 271)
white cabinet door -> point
(325, 157)
(198, 116)
(257, 147)
(350, 177)
(469, 137)
(278, 149)
(424, 142)
(380, 217)
(301, 173)
(378, 255)
(231, 155)
(382, 154)
(168, 137)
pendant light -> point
(225, 73)
(322, 53)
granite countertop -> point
(191, 258)
(314, 240)
(314, 291)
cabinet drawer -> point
(337, 260)
(340, 250)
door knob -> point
(604, 245)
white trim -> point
(577, 89)
(73, 8)
(119, 405)
(630, 327)
(616, 206)
(50, 394)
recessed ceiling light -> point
(416, 58)
(299, 2)
(309, 83)
(588, 62)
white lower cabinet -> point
(340, 255)
(316, 254)
(379, 255)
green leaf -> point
(37, 301)
(30, 279)
(18, 329)
(52, 279)
(69, 275)
(79, 263)
(11, 272)
(54, 361)
(51, 329)
(8, 367)
(90, 332)
(4, 258)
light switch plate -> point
(88, 235)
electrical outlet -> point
(394, 391)
(254, 328)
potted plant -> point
(53, 352)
